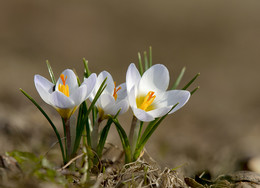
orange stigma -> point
(115, 91)
(63, 87)
(148, 100)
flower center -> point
(63, 87)
(115, 91)
(148, 100)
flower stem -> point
(68, 138)
(94, 134)
(133, 135)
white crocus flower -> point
(112, 99)
(66, 95)
(147, 95)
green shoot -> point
(49, 120)
(51, 72)
(178, 80)
(190, 82)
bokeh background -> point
(217, 129)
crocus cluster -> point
(144, 92)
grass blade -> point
(178, 80)
(145, 137)
(194, 90)
(124, 140)
(86, 71)
(103, 137)
(190, 82)
(79, 126)
(140, 131)
(104, 134)
(49, 120)
(146, 65)
(92, 105)
(150, 56)
(141, 69)
(51, 72)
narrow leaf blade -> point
(141, 69)
(51, 72)
(190, 82)
(48, 119)
(178, 80)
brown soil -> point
(218, 128)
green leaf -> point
(190, 82)
(146, 136)
(150, 56)
(87, 71)
(51, 72)
(194, 90)
(104, 134)
(21, 157)
(124, 140)
(79, 126)
(103, 137)
(147, 130)
(88, 132)
(94, 115)
(85, 119)
(65, 137)
(140, 131)
(39, 167)
(141, 70)
(146, 65)
(99, 92)
(178, 80)
(49, 120)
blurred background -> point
(217, 129)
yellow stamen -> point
(115, 91)
(148, 100)
(63, 87)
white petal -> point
(132, 98)
(142, 115)
(59, 100)
(90, 82)
(172, 97)
(159, 112)
(79, 95)
(122, 93)
(132, 77)
(123, 105)
(109, 82)
(71, 80)
(107, 103)
(44, 87)
(156, 79)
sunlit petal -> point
(159, 112)
(172, 97)
(132, 98)
(90, 83)
(71, 80)
(106, 102)
(121, 94)
(132, 76)
(154, 79)
(79, 95)
(44, 87)
(142, 115)
(109, 82)
(59, 100)
(123, 105)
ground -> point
(218, 128)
